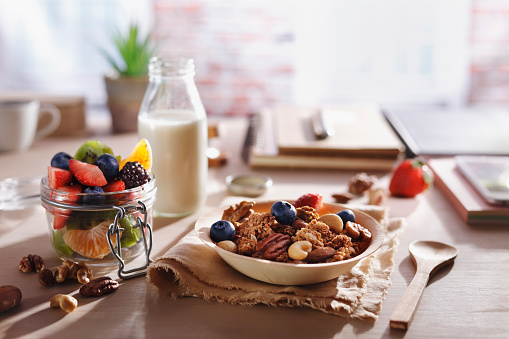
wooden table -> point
(467, 299)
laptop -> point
(447, 132)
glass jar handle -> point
(114, 229)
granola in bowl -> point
(310, 249)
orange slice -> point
(90, 243)
(141, 153)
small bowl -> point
(287, 273)
(250, 185)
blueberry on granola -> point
(222, 230)
(283, 212)
(346, 215)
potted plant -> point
(127, 82)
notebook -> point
(282, 137)
(438, 132)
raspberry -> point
(311, 199)
(133, 175)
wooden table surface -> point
(467, 299)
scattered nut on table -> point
(361, 182)
(343, 198)
(46, 277)
(63, 301)
(10, 296)
(31, 263)
(73, 270)
(99, 286)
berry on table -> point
(284, 212)
(133, 175)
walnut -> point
(31, 263)
(239, 211)
(361, 182)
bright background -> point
(254, 53)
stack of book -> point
(284, 137)
(464, 198)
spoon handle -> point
(405, 310)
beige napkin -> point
(193, 269)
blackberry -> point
(133, 175)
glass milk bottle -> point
(173, 120)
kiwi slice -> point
(60, 246)
(131, 234)
(91, 150)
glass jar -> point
(173, 120)
(112, 228)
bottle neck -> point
(171, 67)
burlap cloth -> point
(193, 269)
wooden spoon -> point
(429, 257)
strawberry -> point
(311, 199)
(87, 174)
(71, 197)
(58, 177)
(114, 186)
(59, 220)
(410, 178)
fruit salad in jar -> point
(85, 194)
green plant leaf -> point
(135, 52)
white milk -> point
(179, 161)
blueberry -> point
(346, 215)
(222, 230)
(61, 160)
(284, 212)
(108, 165)
(93, 198)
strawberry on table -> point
(410, 178)
(87, 174)
(311, 199)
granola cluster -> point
(259, 235)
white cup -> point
(19, 120)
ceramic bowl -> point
(286, 273)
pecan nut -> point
(31, 263)
(274, 245)
(98, 287)
(320, 254)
